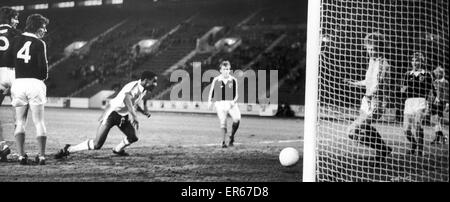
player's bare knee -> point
(19, 127)
(19, 130)
(40, 128)
(407, 126)
(223, 124)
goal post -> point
(311, 92)
(365, 119)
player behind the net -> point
(418, 89)
(376, 82)
(440, 104)
(224, 92)
(121, 112)
(9, 19)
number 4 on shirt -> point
(24, 52)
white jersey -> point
(375, 74)
(137, 92)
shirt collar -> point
(417, 72)
(140, 87)
(225, 79)
(378, 58)
(30, 35)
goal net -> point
(361, 54)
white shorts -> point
(415, 106)
(7, 76)
(224, 108)
(27, 91)
(369, 106)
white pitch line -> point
(262, 142)
(289, 141)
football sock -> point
(224, 133)
(420, 136)
(86, 145)
(20, 140)
(440, 135)
(411, 139)
(42, 140)
(234, 128)
(2, 96)
(124, 143)
(1, 133)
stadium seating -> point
(110, 62)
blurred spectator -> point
(284, 110)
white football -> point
(289, 156)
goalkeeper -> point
(374, 100)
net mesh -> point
(365, 59)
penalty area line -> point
(253, 143)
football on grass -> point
(288, 156)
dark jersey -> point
(30, 57)
(224, 89)
(7, 34)
(419, 84)
(441, 87)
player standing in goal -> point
(374, 100)
(9, 19)
(440, 104)
(418, 88)
(121, 112)
(226, 103)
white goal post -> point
(362, 59)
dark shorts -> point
(438, 109)
(123, 123)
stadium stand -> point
(272, 36)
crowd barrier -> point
(166, 106)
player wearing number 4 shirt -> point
(8, 23)
(28, 90)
